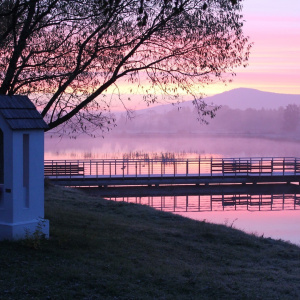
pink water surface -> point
(284, 225)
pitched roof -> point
(20, 113)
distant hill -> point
(241, 98)
(244, 98)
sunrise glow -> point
(274, 64)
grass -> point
(110, 250)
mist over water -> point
(203, 146)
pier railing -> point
(172, 167)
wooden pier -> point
(158, 172)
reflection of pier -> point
(191, 198)
(170, 171)
(193, 203)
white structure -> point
(21, 168)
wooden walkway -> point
(156, 172)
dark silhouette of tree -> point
(66, 54)
(291, 116)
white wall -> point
(16, 214)
(35, 209)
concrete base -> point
(16, 231)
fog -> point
(116, 147)
(271, 123)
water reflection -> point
(218, 198)
(218, 202)
(284, 225)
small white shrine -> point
(21, 168)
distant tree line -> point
(266, 122)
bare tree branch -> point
(67, 54)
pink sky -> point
(274, 28)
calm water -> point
(275, 223)
(283, 225)
(116, 147)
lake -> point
(116, 147)
(275, 223)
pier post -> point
(187, 167)
(174, 167)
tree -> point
(291, 116)
(67, 54)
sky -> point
(273, 27)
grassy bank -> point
(106, 250)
